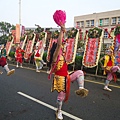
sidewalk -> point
(87, 75)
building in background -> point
(106, 20)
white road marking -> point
(49, 106)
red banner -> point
(27, 49)
(14, 34)
(90, 58)
(69, 50)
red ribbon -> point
(67, 88)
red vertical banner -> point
(70, 50)
(17, 34)
(14, 34)
(91, 53)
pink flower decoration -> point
(59, 17)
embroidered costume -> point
(19, 56)
(3, 61)
(109, 68)
(62, 80)
(38, 59)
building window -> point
(78, 24)
(114, 21)
(105, 34)
(92, 22)
(101, 22)
(82, 24)
(106, 21)
(118, 20)
(87, 23)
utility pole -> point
(20, 12)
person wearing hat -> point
(109, 67)
(3, 61)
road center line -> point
(49, 106)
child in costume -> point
(3, 61)
(38, 59)
(18, 56)
(109, 67)
(62, 79)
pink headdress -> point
(59, 17)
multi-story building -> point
(106, 20)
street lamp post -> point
(20, 12)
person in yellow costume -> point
(38, 59)
(109, 67)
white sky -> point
(41, 11)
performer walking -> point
(109, 67)
(62, 79)
(3, 61)
(38, 59)
(18, 56)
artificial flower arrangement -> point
(30, 36)
(41, 35)
(55, 34)
(39, 29)
(72, 33)
(94, 33)
(117, 30)
(22, 38)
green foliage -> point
(78, 62)
(30, 36)
(39, 29)
(4, 26)
(22, 38)
(45, 56)
(12, 54)
(3, 39)
(41, 35)
(94, 33)
(10, 37)
(117, 30)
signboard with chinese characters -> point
(92, 52)
(117, 50)
(27, 49)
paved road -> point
(26, 96)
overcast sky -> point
(41, 11)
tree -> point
(5, 27)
